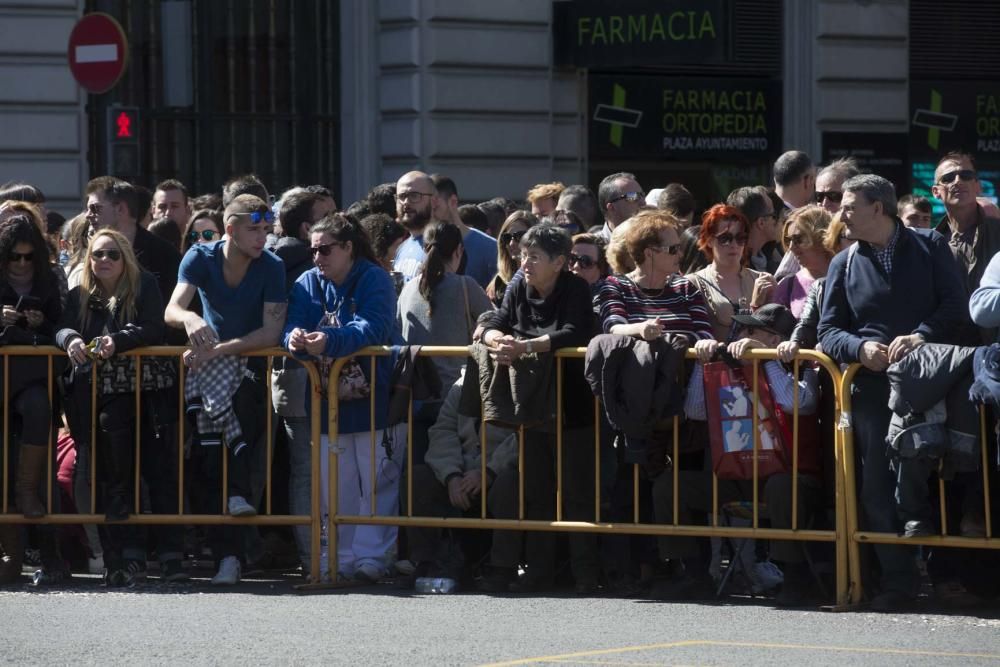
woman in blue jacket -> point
(344, 304)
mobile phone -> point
(28, 302)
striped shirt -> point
(679, 308)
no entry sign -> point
(98, 52)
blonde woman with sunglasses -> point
(116, 307)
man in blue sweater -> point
(895, 290)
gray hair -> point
(550, 238)
(874, 188)
(844, 168)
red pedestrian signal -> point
(124, 124)
(122, 152)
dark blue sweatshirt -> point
(923, 295)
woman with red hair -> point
(726, 283)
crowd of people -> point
(822, 258)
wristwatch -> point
(527, 347)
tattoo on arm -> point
(275, 312)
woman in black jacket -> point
(548, 309)
(117, 307)
(29, 294)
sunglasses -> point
(257, 216)
(20, 256)
(326, 248)
(797, 239)
(207, 234)
(727, 238)
(835, 197)
(111, 254)
(507, 237)
(584, 261)
(963, 174)
(629, 196)
(670, 249)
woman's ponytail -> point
(441, 240)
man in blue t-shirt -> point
(241, 287)
(480, 249)
(416, 200)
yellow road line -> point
(759, 645)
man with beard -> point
(416, 198)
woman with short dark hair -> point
(548, 309)
(345, 303)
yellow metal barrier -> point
(180, 518)
(844, 578)
(855, 536)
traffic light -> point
(123, 142)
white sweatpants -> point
(365, 544)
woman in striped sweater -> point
(654, 299)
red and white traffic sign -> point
(98, 52)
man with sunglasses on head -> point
(620, 197)
(416, 202)
(242, 291)
(973, 235)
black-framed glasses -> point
(207, 234)
(20, 256)
(257, 216)
(95, 209)
(112, 254)
(412, 195)
(963, 174)
(832, 195)
(584, 261)
(507, 237)
(669, 249)
(629, 196)
(727, 238)
(325, 249)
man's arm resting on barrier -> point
(267, 335)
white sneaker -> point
(95, 565)
(229, 572)
(238, 506)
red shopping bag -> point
(729, 402)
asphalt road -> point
(265, 622)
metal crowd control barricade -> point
(855, 536)
(181, 517)
(635, 527)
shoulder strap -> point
(736, 307)
(851, 252)
(350, 289)
(468, 308)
